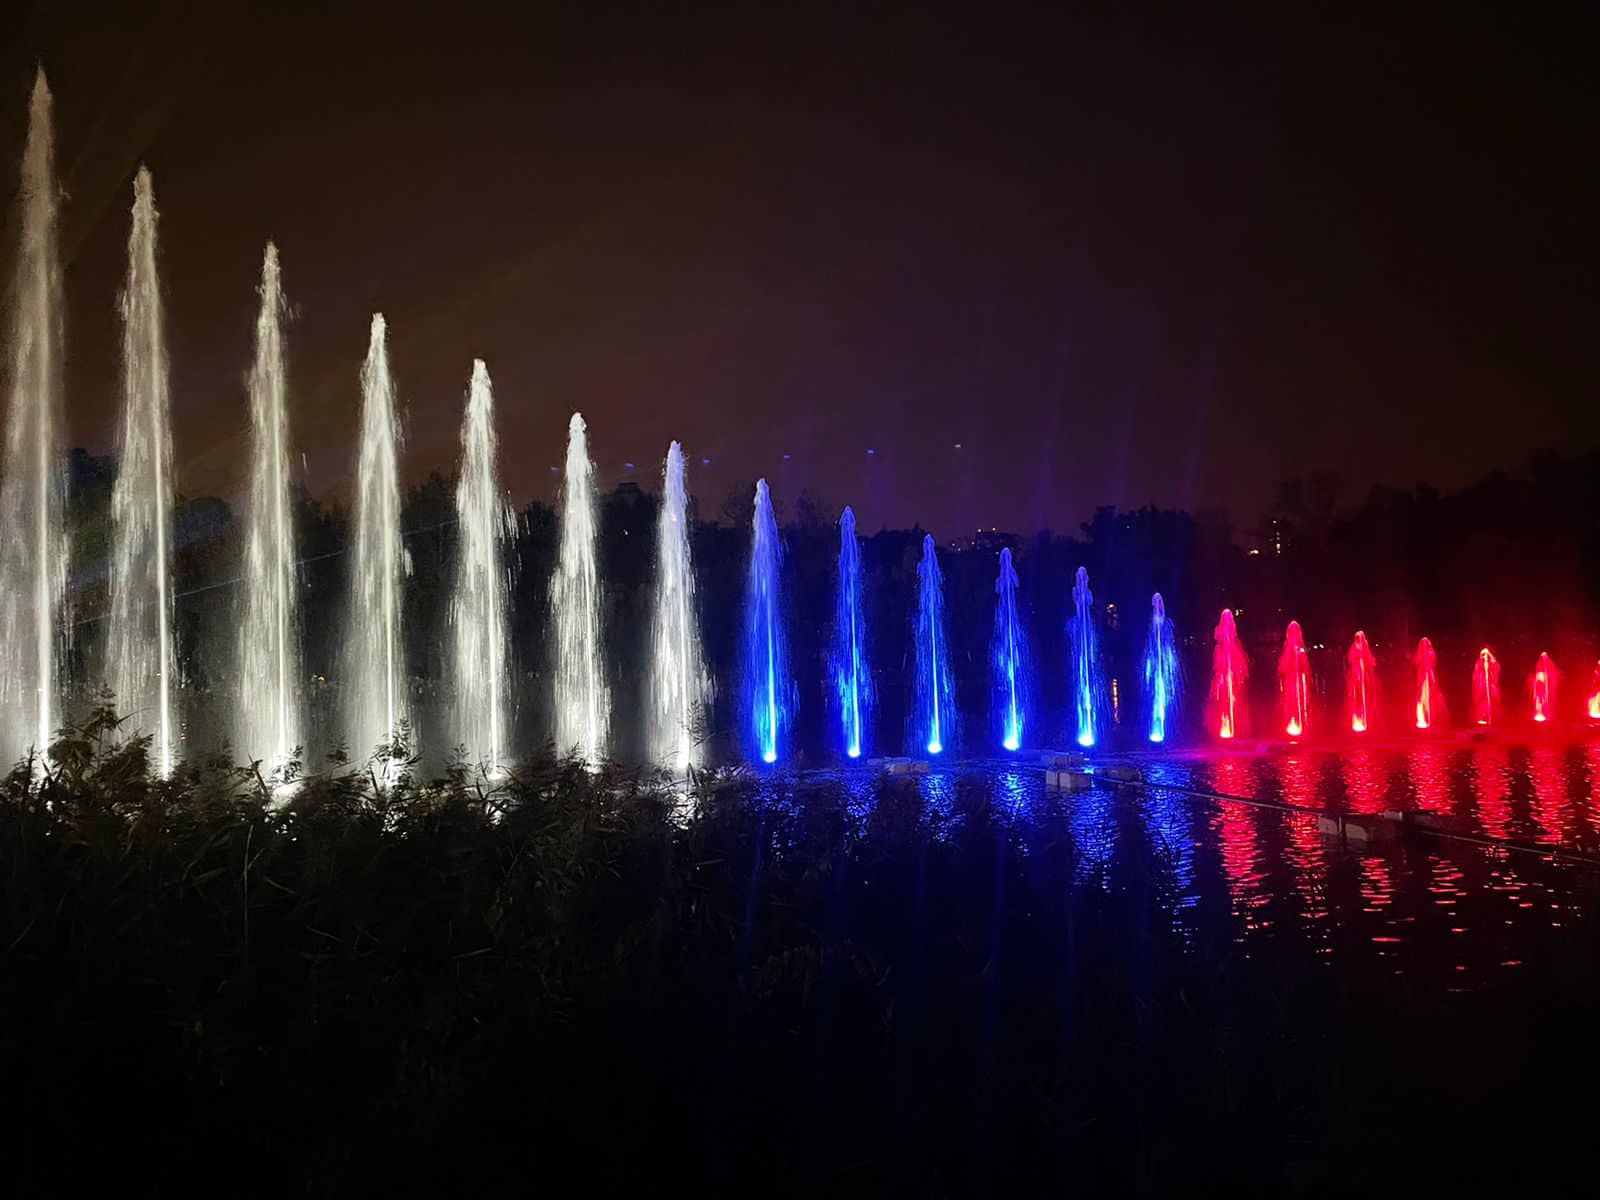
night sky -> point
(1164, 257)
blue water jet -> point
(766, 671)
(1163, 680)
(852, 681)
(1008, 656)
(1088, 684)
(934, 715)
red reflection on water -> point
(1552, 802)
(1361, 683)
(1491, 786)
(1429, 767)
(1376, 883)
(1429, 704)
(1485, 687)
(1227, 705)
(1294, 682)
(1298, 775)
(1591, 760)
(1546, 679)
(1237, 840)
(1366, 780)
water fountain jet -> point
(33, 550)
(1162, 676)
(1429, 709)
(1087, 687)
(582, 700)
(480, 593)
(935, 711)
(1009, 657)
(375, 669)
(678, 683)
(267, 726)
(1228, 699)
(852, 680)
(140, 653)
(1361, 683)
(1485, 687)
(766, 668)
(1294, 682)
(1546, 680)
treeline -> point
(1512, 562)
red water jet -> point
(1545, 681)
(1594, 695)
(1294, 682)
(1430, 701)
(1228, 707)
(1361, 683)
(1485, 687)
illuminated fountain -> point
(766, 672)
(582, 701)
(1162, 676)
(934, 714)
(852, 681)
(1594, 695)
(1546, 680)
(1361, 683)
(375, 674)
(1008, 655)
(1085, 650)
(479, 599)
(1294, 682)
(678, 682)
(33, 544)
(267, 725)
(1428, 706)
(142, 666)
(1228, 700)
(1485, 688)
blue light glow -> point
(765, 668)
(1087, 684)
(1163, 679)
(934, 714)
(1008, 656)
(852, 681)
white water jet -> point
(582, 704)
(375, 671)
(267, 722)
(478, 605)
(140, 655)
(33, 544)
(678, 683)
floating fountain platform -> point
(899, 766)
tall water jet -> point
(1087, 688)
(375, 672)
(1593, 706)
(678, 683)
(766, 669)
(1162, 676)
(33, 544)
(1361, 683)
(1429, 710)
(1546, 679)
(934, 714)
(480, 596)
(140, 657)
(852, 680)
(1485, 688)
(1228, 699)
(267, 722)
(1008, 656)
(1294, 682)
(582, 700)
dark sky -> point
(1119, 257)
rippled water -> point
(1450, 912)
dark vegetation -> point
(560, 984)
